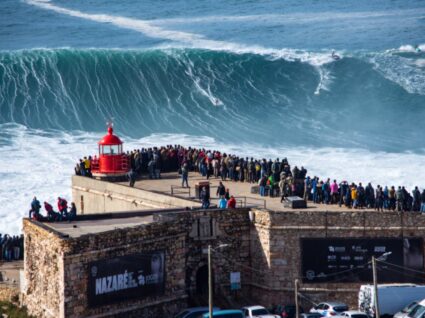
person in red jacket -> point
(51, 215)
(63, 207)
(231, 204)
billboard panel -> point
(126, 277)
(348, 260)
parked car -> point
(418, 311)
(194, 312)
(257, 311)
(353, 314)
(311, 315)
(287, 311)
(404, 313)
(331, 308)
(231, 313)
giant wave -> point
(369, 100)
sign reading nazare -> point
(125, 277)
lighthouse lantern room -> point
(112, 162)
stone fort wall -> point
(279, 234)
(57, 267)
(263, 245)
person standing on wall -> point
(185, 174)
(63, 207)
(221, 190)
(222, 203)
(35, 208)
(231, 204)
(423, 201)
(132, 177)
(205, 197)
(72, 214)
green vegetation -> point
(13, 311)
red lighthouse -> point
(112, 162)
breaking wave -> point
(301, 98)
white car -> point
(257, 311)
(353, 314)
(328, 309)
(404, 313)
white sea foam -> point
(325, 80)
(419, 63)
(410, 48)
(41, 163)
(153, 30)
(291, 18)
(405, 71)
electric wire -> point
(301, 277)
(402, 267)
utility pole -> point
(297, 308)
(210, 296)
(375, 287)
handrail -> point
(244, 201)
(173, 187)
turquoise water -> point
(247, 76)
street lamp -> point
(210, 291)
(383, 257)
(375, 280)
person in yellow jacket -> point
(354, 196)
(87, 166)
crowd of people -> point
(273, 177)
(358, 196)
(11, 247)
(83, 167)
(64, 213)
(226, 201)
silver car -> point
(353, 314)
(330, 308)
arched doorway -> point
(202, 280)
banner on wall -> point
(126, 277)
(349, 259)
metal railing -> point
(245, 202)
(180, 190)
(241, 201)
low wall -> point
(95, 196)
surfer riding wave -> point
(335, 56)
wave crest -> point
(234, 96)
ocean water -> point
(247, 77)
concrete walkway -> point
(79, 228)
(170, 183)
